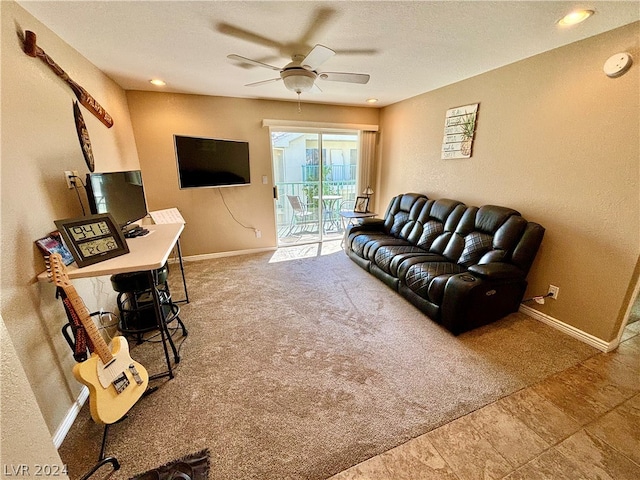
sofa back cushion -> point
(402, 213)
(474, 236)
(432, 220)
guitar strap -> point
(81, 339)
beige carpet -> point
(300, 369)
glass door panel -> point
(296, 165)
(315, 174)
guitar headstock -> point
(57, 270)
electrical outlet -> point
(554, 291)
(258, 233)
(71, 177)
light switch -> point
(264, 179)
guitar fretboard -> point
(101, 347)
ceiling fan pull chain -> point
(299, 108)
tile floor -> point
(583, 423)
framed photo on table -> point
(53, 243)
(361, 205)
(93, 238)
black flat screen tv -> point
(119, 193)
(210, 162)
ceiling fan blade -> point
(243, 34)
(361, 78)
(317, 56)
(315, 89)
(321, 18)
(233, 56)
(263, 82)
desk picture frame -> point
(361, 205)
(53, 243)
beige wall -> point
(24, 443)
(557, 140)
(39, 142)
(156, 117)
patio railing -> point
(305, 191)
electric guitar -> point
(115, 381)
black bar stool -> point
(135, 302)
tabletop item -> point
(93, 238)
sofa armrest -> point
(470, 300)
(497, 271)
(371, 225)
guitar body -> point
(107, 404)
(115, 381)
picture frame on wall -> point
(361, 205)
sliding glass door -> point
(315, 174)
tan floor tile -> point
(630, 331)
(469, 455)
(516, 442)
(372, 469)
(417, 460)
(568, 393)
(631, 347)
(596, 459)
(620, 428)
(540, 415)
(616, 372)
(551, 465)
(633, 327)
(597, 386)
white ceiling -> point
(408, 47)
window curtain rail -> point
(289, 124)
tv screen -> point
(209, 162)
(119, 193)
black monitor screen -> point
(209, 162)
(119, 193)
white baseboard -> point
(208, 256)
(570, 330)
(66, 424)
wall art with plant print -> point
(459, 129)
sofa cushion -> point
(476, 244)
(419, 276)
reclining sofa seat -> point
(462, 266)
(403, 210)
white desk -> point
(147, 253)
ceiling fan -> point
(302, 72)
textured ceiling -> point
(407, 47)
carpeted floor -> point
(300, 369)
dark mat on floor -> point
(191, 467)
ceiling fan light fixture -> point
(298, 80)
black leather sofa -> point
(462, 266)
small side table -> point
(348, 217)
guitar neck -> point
(100, 346)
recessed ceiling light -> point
(575, 17)
(157, 82)
(372, 100)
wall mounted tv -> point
(210, 162)
(119, 193)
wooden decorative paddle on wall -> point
(33, 50)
